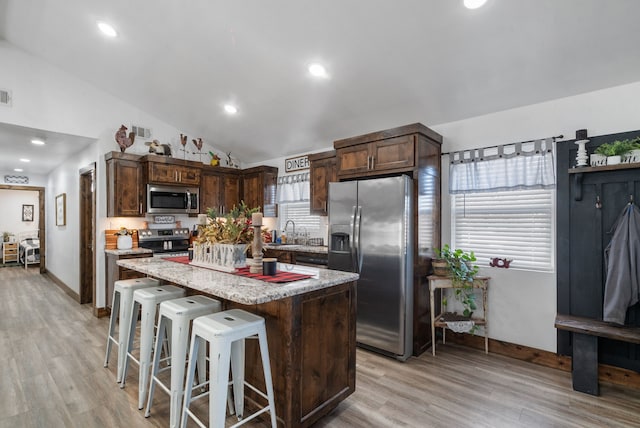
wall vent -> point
(5, 97)
(16, 179)
(140, 131)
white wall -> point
(522, 305)
(45, 97)
(11, 202)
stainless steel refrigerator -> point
(371, 233)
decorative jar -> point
(125, 242)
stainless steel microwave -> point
(172, 199)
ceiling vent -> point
(5, 97)
(140, 131)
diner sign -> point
(296, 164)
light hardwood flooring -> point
(52, 375)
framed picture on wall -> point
(61, 209)
(27, 212)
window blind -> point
(515, 224)
(299, 213)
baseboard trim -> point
(101, 312)
(64, 287)
(606, 373)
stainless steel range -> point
(164, 241)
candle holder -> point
(582, 157)
(256, 264)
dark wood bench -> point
(585, 332)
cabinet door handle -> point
(373, 162)
(368, 162)
(140, 208)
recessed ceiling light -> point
(25, 160)
(318, 70)
(18, 169)
(38, 142)
(474, 4)
(107, 29)
(230, 109)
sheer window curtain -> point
(528, 165)
(293, 188)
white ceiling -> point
(391, 62)
(15, 144)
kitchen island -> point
(311, 329)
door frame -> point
(41, 219)
(87, 294)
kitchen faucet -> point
(293, 236)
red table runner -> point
(280, 276)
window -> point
(299, 213)
(515, 224)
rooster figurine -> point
(122, 139)
(198, 144)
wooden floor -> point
(52, 375)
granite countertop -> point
(129, 251)
(236, 288)
(298, 248)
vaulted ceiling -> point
(389, 62)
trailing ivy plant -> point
(463, 272)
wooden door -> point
(322, 173)
(188, 176)
(231, 192)
(354, 160)
(87, 234)
(210, 193)
(162, 173)
(393, 153)
(252, 190)
(124, 188)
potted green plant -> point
(615, 150)
(462, 272)
(5, 236)
(633, 155)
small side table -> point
(9, 252)
(443, 282)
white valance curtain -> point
(293, 188)
(528, 165)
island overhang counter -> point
(311, 330)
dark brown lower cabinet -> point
(312, 345)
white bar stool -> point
(121, 305)
(177, 315)
(226, 332)
(148, 299)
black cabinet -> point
(588, 205)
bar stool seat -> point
(148, 299)
(177, 315)
(226, 333)
(121, 306)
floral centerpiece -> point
(223, 241)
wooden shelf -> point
(443, 282)
(604, 168)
